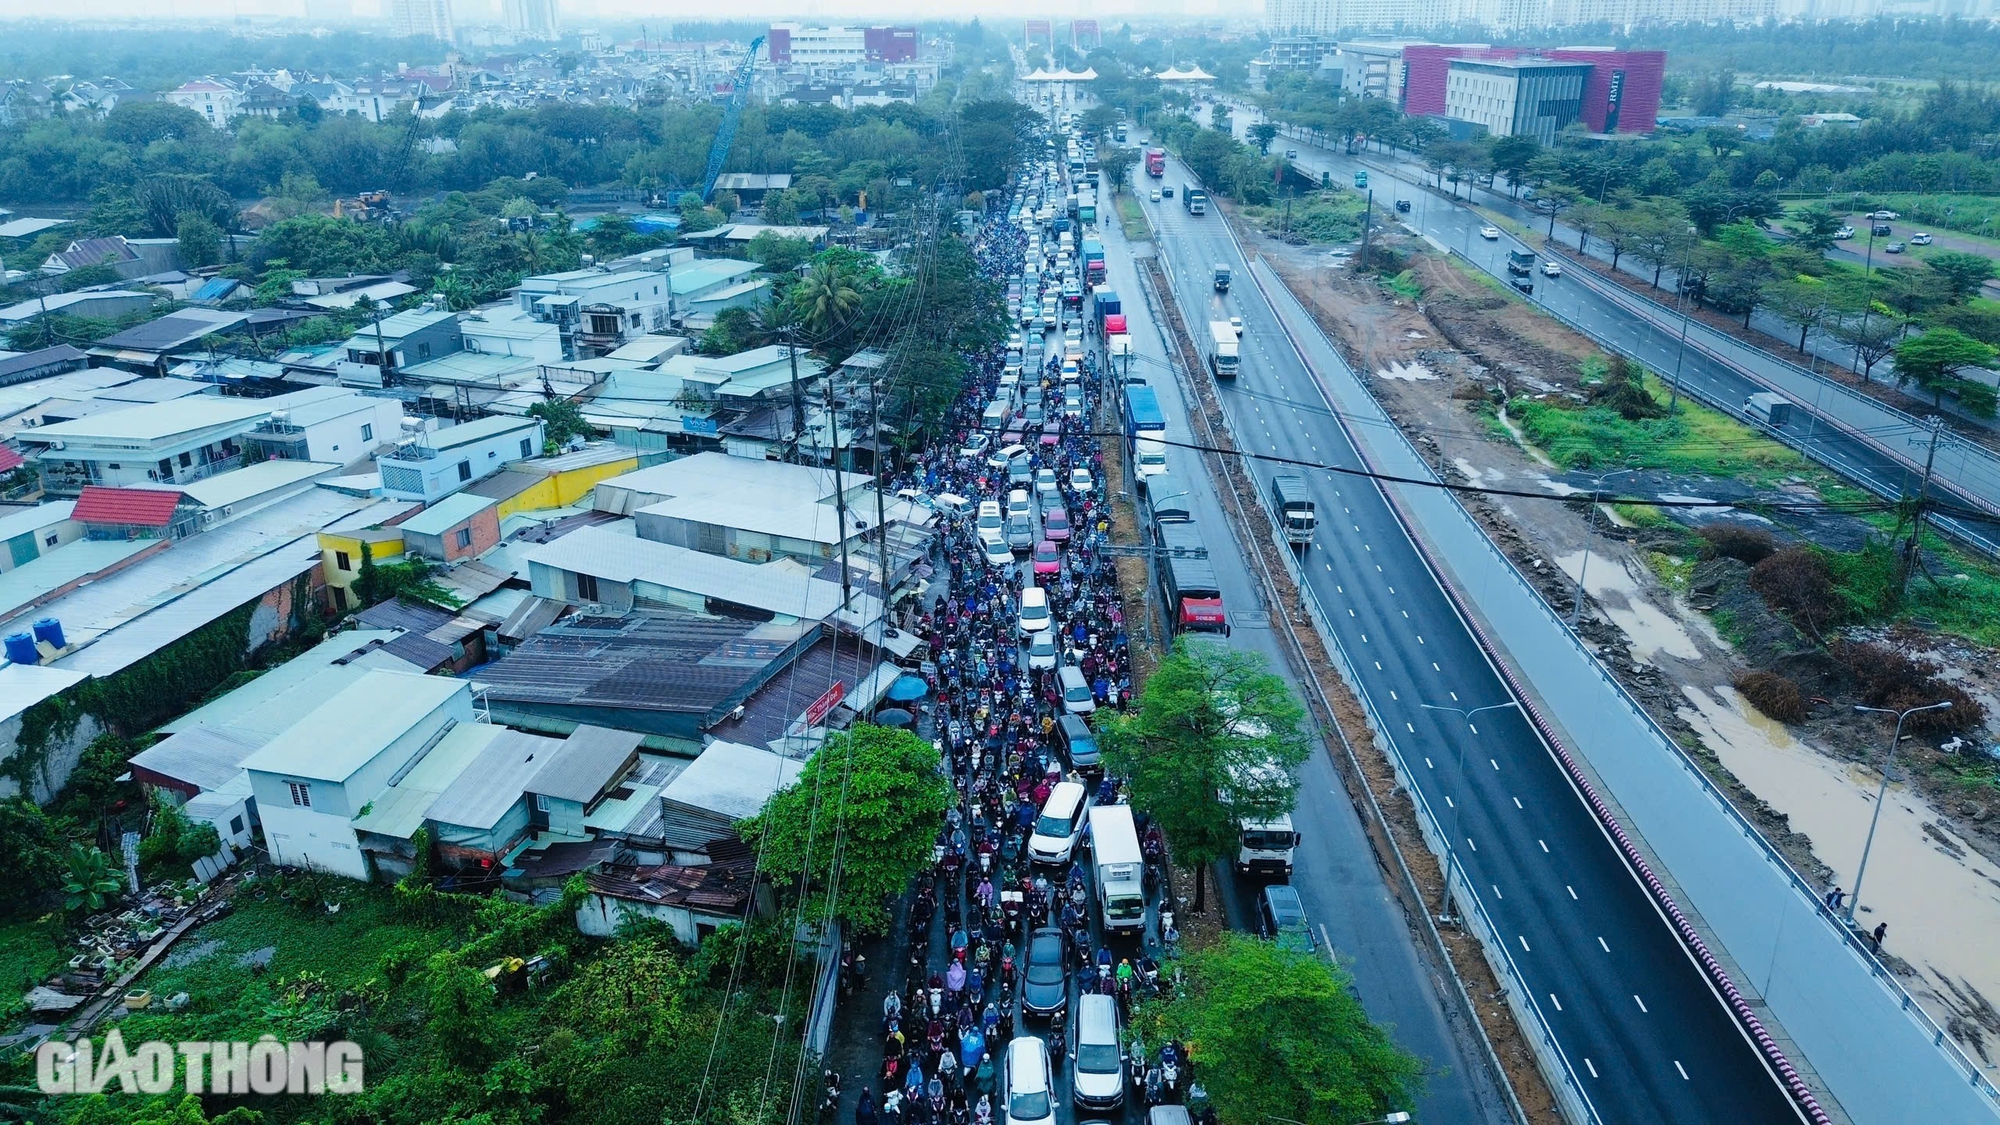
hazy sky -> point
(577, 13)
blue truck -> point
(1145, 431)
(1107, 304)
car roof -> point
(1285, 902)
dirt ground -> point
(1935, 870)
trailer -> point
(1188, 586)
(1294, 506)
(1156, 162)
(1145, 431)
(1194, 200)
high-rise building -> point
(532, 19)
(1326, 17)
(1084, 36)
(792, 44)
(1516, 97)
(428, 19)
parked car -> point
(1920, 240)
(1281, 917)
(1893, 248)
(1044, 984)
(1885, 215)
(1291, 154)
(1879, 230)
(1844, 233)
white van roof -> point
(1064, 796)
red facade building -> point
(1622, 94)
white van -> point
(1077, 696)
(1061, 822)
(1098, 1073)
(1030, 1097)
(1034, 616)
(997, 413)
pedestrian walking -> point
(1881, 932)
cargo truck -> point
(1265, 847)
(1093, 261)
(1104, 302)
(1121, 867)
(1222, 352)
(1086, 207)
(1769, 409)
(1156, 162)
(1194, 199)
(1145, 431)
(1520, 263)
(1188, 587)
(1222, 276)
(1294, 507)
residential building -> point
(216, 99)
(377, 352)
(344, 545)
(610, 566)
(1302, 54)
(99, 304)
(745, 509)
(1516, 97)
(172, 442)
(332, 424)
(25, 367)
(27, 534)
(460, 526)
(317, 778)
(597, 310)
(421, 19)
(544, 483)
(437, 641)
(501, 330)
(431, 466)
(693, 900)
(149, 348)
(532, 19)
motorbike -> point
(829, 1101)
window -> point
(586, 587)
(235, 826)
(526, 448)
(423, 349)
(49, 540)
(465, 470)
(339, 598)
(464, 537)
(186, 460)
(340, 561)
(541, 802)
(367, 431)
(301, 793)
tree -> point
(1801, 302)
(90, 882)
(297, 193)
(857, 826)
(200, 240)
(1910, 291)
(826, 298)
(1870, 334)
(1213, 744)
(1814, 228)
(1934, 359)
(778, 254)
(1263, 133)
(1277, 1035)
(1962, 274)
(34, 854)
(1114, 165)
(83, 277)
(1660, 235)
(1513, 156)
(561, 421)
(163, 199)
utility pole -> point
(381, 350)
(1366, 212)
(839, 498)
(798, 396)
(1915, 544)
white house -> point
(333, 424)
(431, 466)
(314, 780)
(173, 442)
(216, 100)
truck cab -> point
(1265, 847)
(1225, 348)
(1222, 277)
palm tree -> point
(90, 883)
(825, 298)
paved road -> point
(1638, 1022)
(1964, 476)
(1344, 890)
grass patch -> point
(1674, 571)
(1493, 283)
(1325, 216)
(1132, 217)
(1965, 599)
(1696, 440)
(1729, 627)
(30, 950)
(1643, 515)
(1404, 285)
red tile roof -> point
(141, 507)
(10, 460)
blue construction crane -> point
(732, 113)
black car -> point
(1044, 985)
(1403, 205)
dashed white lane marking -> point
(1518, 804)
(1682, 1069)
(1588, 1063)
(1607, 948)
(1524, 944)
(1429, 764)
(1392, 695)
(1470, 844)
(1453, 694)
(1556, 1002)
(1409, 728)
(1544, 844)
(1447, 802)
(1472, 728)
(1496, 764)
(1642, 1007)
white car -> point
(1079, 479)
(1490, 234)
(1028, 1094)
(1552, 269)
(1156, 195)
(1236, 322)
(1920, 240)
(1001, 458)
(1042, 651)
(996, 551)
(1017, 503)
(990, 520)
(1034, 616)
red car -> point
(1055, 524)
(1047, 559)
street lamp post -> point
(1451, 838)
(1882, 792)
(1680, 353)
(1589, 538)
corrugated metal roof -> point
(780, 588)
(174, 330)
(447, 513)
(137, 507)
(346, 732)
(35, 518)
(305, 671)
(494, 782)
(204, 757)
(401, 809)
(588, 760)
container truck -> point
(1222, 276)
(1188, 587)
(1121, 867)
(1222, 352)
(1105, 304)
(1156, 162)
(1145, 431)
(1194, 199)
(1294, 506)
(1093, 261)
(1086, 207)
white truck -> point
(1223, 349)
(1121, 867)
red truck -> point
(1156, 162)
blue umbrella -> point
(908, 689)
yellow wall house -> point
(340, 554)
(554, 482)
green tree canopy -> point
(861, 818)
(1214, 742)
(1933, 360)
(1962, 273)
(1813, 228)
(1278, 1035)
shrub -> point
(1749, 545)
(1896, 680)
(1796, 582)
(1624, 390)
(1774, 695)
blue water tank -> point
(50, 630)
(21, 648)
